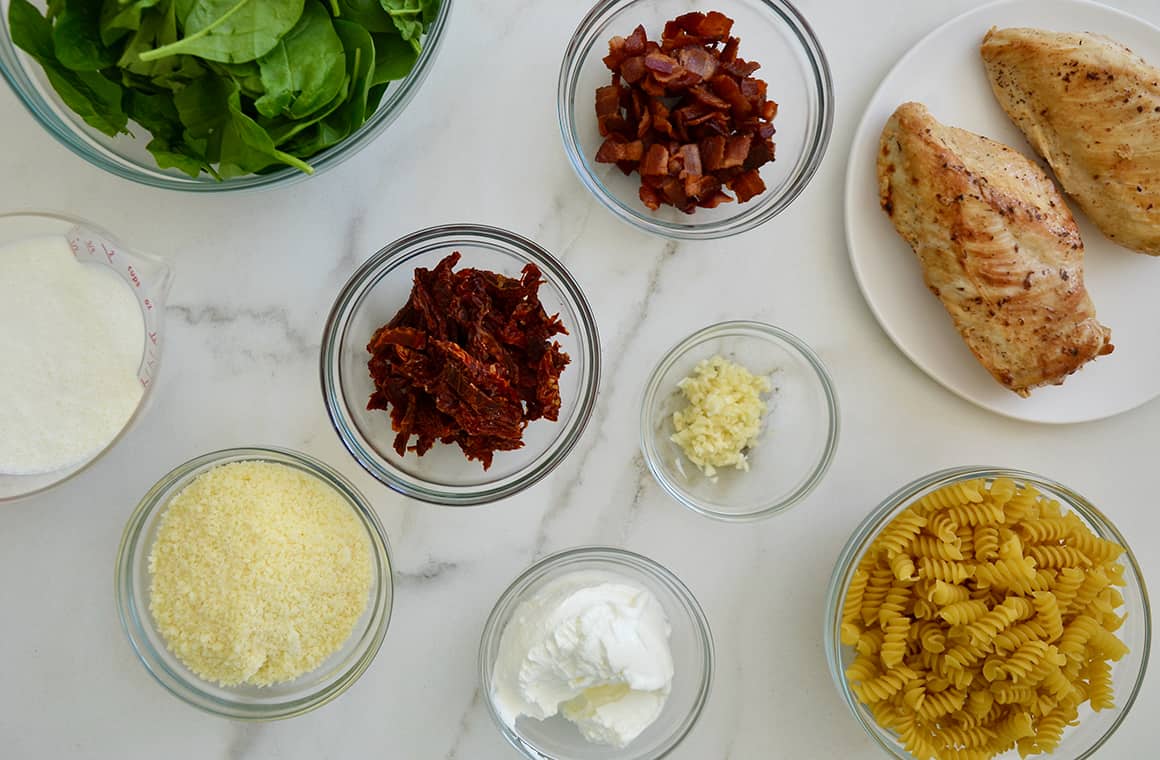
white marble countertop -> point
(256, 274)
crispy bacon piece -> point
(656, 161)
(698, 60)
(747, 185)
(469, 360)
(686, 114)
(616, 149)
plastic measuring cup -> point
(149, 278)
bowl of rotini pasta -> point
(981, 612)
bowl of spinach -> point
(217, 94)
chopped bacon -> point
(715, 200)
(690, 161)
(740, 68)
(726, 88)
(686, 114)
(608, 109)
(615, 150)
(702, 94)
(713, 25)
(736, 151)
(636, 42)
(701, 185)
(633, 69)
(698, 60)
(760, 153)
(665, 64)
(747, 185)
(713, 152)
(656, 161)
(729, 52)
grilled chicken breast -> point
(997, 245)
(1091, 107)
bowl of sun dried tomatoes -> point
(695, 124)
(460, 364)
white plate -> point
(945, 72)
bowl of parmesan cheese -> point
(254, 583)
(739, 421)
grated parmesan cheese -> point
(723, 416)
(259, 572)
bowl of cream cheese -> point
(596, 653)
(81, 334)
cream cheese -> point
(592, 647)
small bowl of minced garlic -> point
(739, 421)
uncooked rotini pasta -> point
(983, 618)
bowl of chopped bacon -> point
(695, 125)
(460, 364)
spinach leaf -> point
(394, 58)
(305, 70)
(90, 95)
(225, 87)
(211, 111)
(282, 129)
(76, 37)
(369, 14)
(158, 27)
(430, 11)
(230, 31)
(360, 64)
(407, 15)
(375, 96)
(120, 18)
(157, 114)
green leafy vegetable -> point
(76, 37)
(394, 58)
(94, 98)
(231, 31)
(305, 70)
(224, 87)
(369, 14)
(407, 15)
(120, 18)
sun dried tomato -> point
(468, 360)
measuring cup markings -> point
(86, 244)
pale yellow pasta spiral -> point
(983, 617)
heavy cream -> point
(592, 647)
(71, 338)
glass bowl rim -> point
(817, 140)
(130, 609)
(64, 132)
(873, 523)
(771, 334)
(167, 282)
(638, 563)
(398, 253)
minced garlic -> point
(723, 417)
(259, 573)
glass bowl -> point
(147, 276)
(126, 156)
(799, 430)
(246, 702)
(774, 34)
(1094, 728)
(691, 643)
(379, 288)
